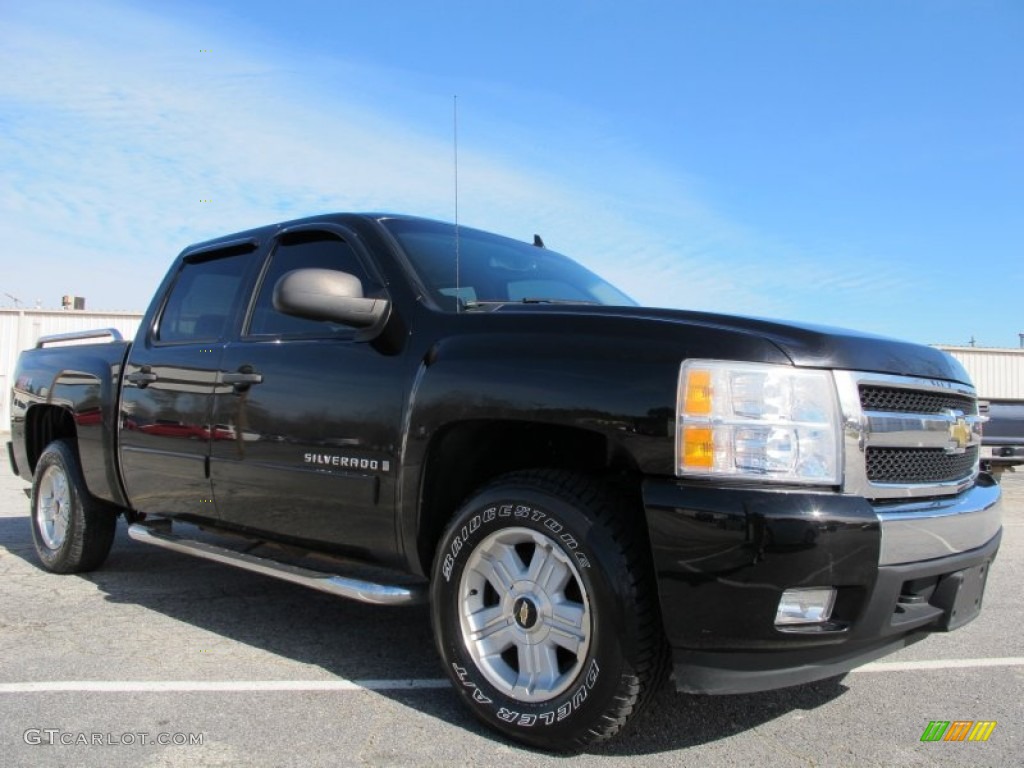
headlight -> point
(770, 423)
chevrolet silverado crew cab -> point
(588, 492)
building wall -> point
(998, 374)
(21, 328)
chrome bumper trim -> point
(924, 530)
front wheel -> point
(545, 612)
(72, 531)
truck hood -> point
(808, 346)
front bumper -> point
(1002, 454)
(724, 556)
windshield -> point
(495, 269)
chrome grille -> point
(907, 437)
(894, 399)
(919, 465)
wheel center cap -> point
(525, 612)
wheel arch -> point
(466, 455)
(43, 425)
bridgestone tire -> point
(557, 652)
(72, 531)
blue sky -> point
(857, 163)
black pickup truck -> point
(586, 491)
(1002, 446)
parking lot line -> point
(256, 686)
(160, 686)
(911, 666)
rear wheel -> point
(545, 612)
(72, 531)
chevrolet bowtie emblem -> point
(524, 612)
(960, 434)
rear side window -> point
(303, 250)
(202, 298)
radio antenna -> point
(455, 147)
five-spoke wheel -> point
(71, 530)
(54, 506)
(525, 614)
(545, 611)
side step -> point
(341, 586)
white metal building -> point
(21, 328)
(998, 373)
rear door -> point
(169, 382)
(305, 440)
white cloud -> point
(116, 127)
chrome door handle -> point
(242, 378)
(142, 379)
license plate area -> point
(959, 595)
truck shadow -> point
(362, 642)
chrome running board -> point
(341, 586)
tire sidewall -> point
(60, 558)
(566, 718)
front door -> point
(305, 440)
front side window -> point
(202, 298)
(304, 250)
(492, 268)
